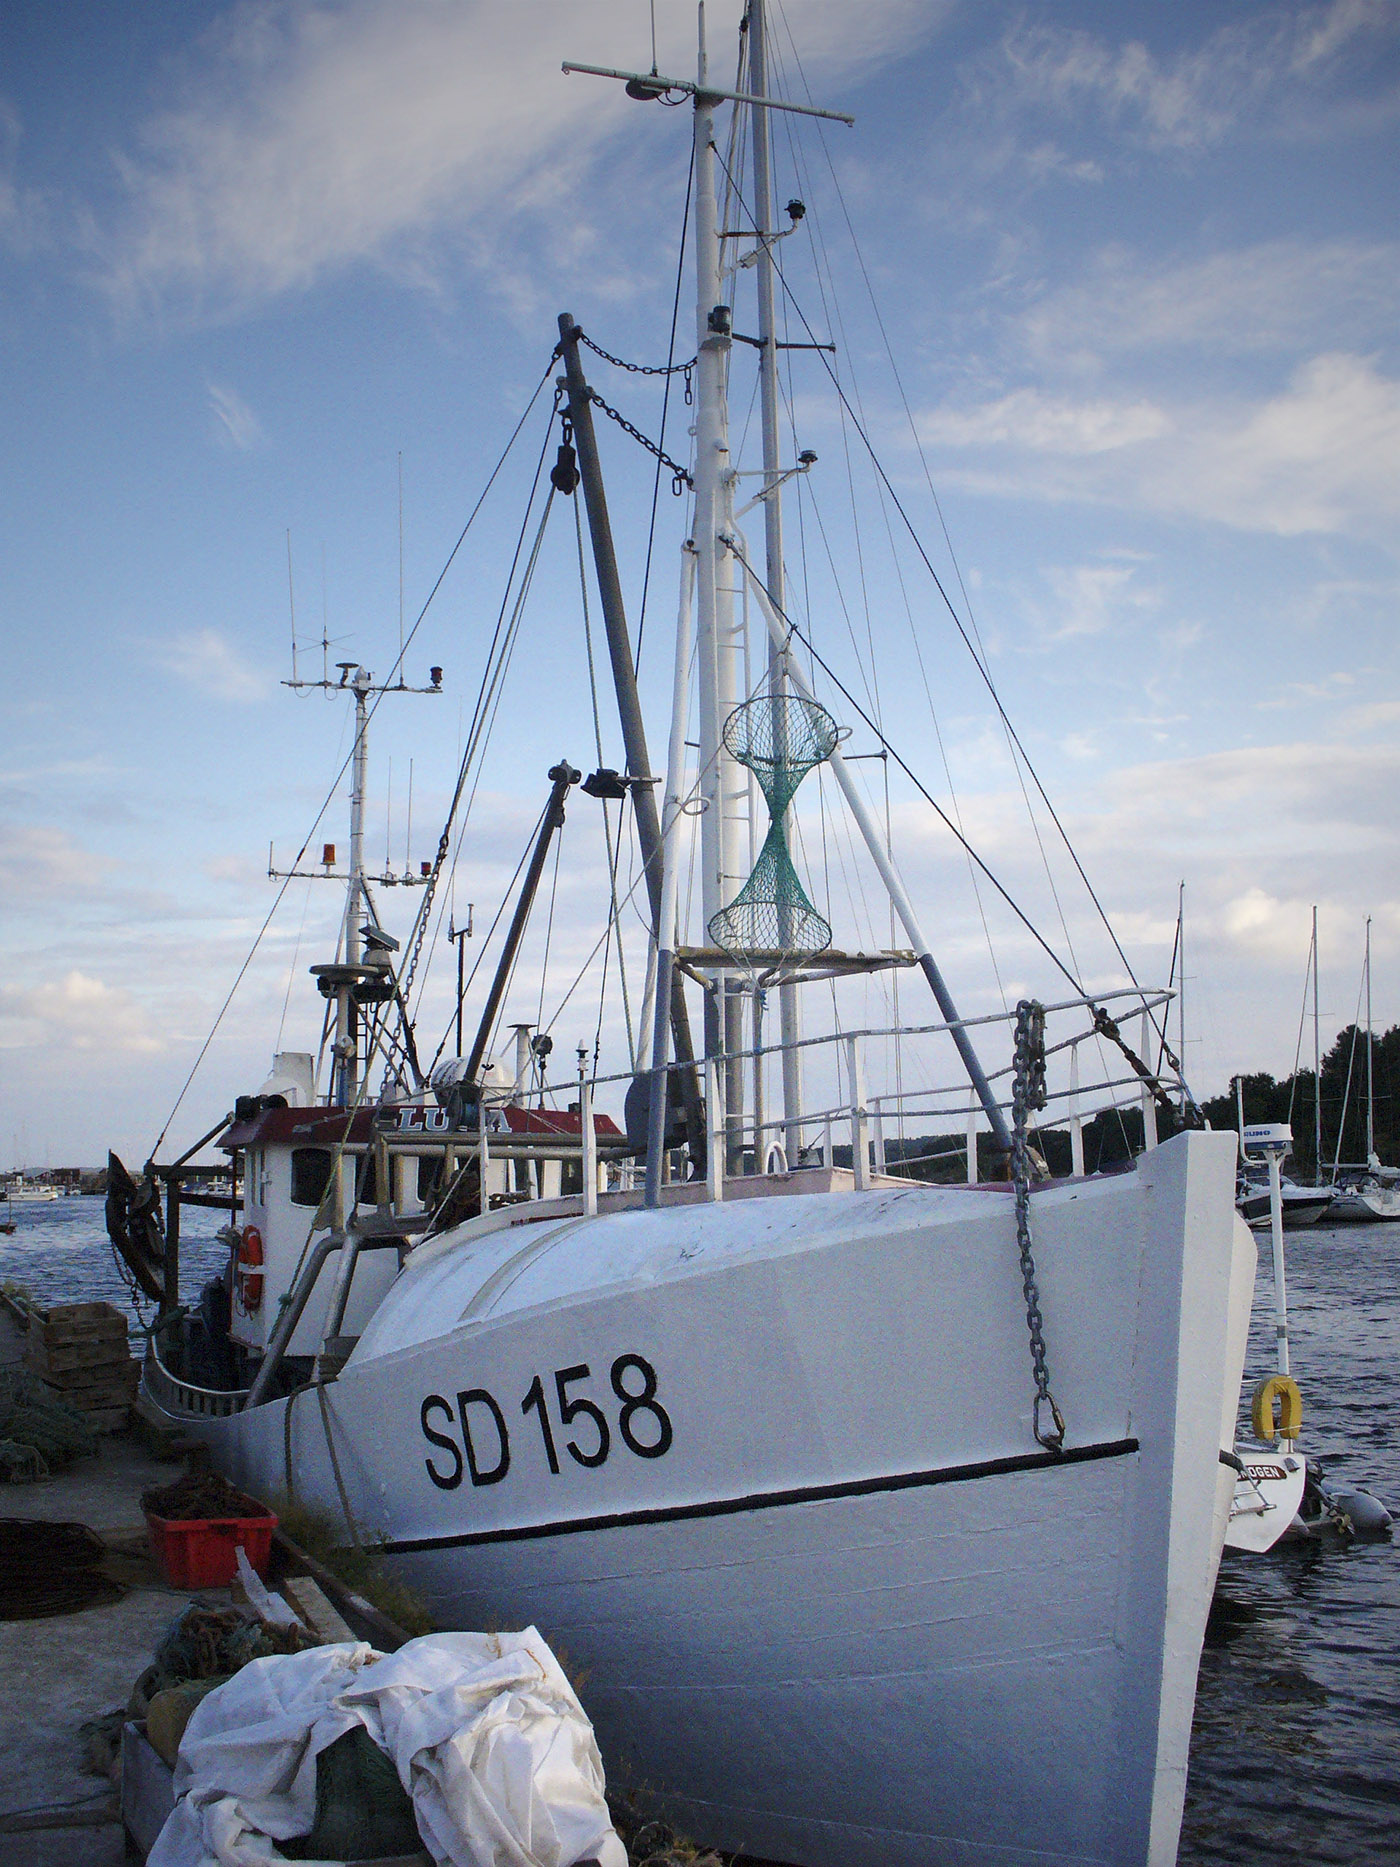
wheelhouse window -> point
(311, 1174)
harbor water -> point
(1295, 1753)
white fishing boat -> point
(880, 1518)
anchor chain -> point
(1028, 1093)
(640, 369)
(680, 478)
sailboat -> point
(1301, 1204)
(1371, 1192)
(880, 1517)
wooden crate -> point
(96, 1351)
(119, 1374)
(72, 1323)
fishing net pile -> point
(200, 1495)
(39, 1433)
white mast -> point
(722, 784)
(789, 1002)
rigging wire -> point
(292, 968)
(484, 709)
(665, 401)
(483, 949)
(922, 789)
(972, 650)
(614, 849)
(832, 309)
(335, 784)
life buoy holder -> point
(1283, 1389)
(248, 1271)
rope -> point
(666, 405)
(491, 679)
(350, 1523)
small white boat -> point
(1302, 1205)
(1366, 1200)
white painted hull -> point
(853, 1614)
(1366, 1205)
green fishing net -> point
(779, 738)
(38, 1431)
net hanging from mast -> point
(779, 738)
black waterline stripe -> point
(772, 1500)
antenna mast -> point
(348, 978)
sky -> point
(1113, 291)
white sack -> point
(486, 1732)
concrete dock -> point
(58, 1672)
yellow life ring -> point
(1284, 1389)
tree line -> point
(1111, 1139)
(1294, 1099)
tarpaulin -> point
(486, 1733)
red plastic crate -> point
(201, 1552)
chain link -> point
(1028, 1093)
(680, 479)
(1191, 1116)
(639, 369)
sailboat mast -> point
(1317, 1064)
(1181, 987)
(1370, 1085)
(789, 1003)
(722, 784)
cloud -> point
(206, 660)
(314, 136)
(76, 1012)
(1091, 598)
(1047, 424)
(37, 861)
(1322, 455)
(1260, 299)
(1185, 101)
(240, 426)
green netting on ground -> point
(38, 1431)
(779, 739)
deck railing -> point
(177, 1395)
(1075, 1095)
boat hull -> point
(849, 1611)
(1301, 1206)
(1366, 1205)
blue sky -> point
(1136, 271)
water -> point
(1295, 1755)
(59, 1253)
(1295, 1752)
